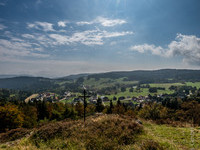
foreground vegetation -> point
(98, 132)
(107, 132)
(174, 124)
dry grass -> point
(14, 134)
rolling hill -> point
(141, 76)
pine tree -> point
(99, 105)
(110, 108)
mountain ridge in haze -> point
(142, 76)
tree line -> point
(29, 115)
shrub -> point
(153, 112)
(11, 117)
(30, 116)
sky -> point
(55, 38)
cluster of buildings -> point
(74, 98)
(47, 96)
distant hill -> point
(7, 76)
(74, 77)
(3, 76)
(26, 83)
(154, 76)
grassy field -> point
(172, 138)
(67, 101)
(145, 91)
(106, 82)
(142, 92)
(193, 84)
(165, 85)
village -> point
(73, 98)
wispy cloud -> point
(2, 3)
(84, 23)
(18, 47)
(45, 26)
(89, 37)
(28, 36)
(186, 46)
(103, 21)
(2, 27)
(39, 39)
(38, 44)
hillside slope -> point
(104, 132)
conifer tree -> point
(99, 105)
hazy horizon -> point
(28, 75)
(60, 38)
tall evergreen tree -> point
(110, 107)
(99, 105)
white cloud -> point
(38, 39)
(88, 37)
(186, 46)
(45, 26)
(62, 23)
(103, 21)
(146, 47)
(35, 44)
(2, 27)
(84, 23)
(109, 22)
(60, 39)
(115, 34)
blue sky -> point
(55, 38)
